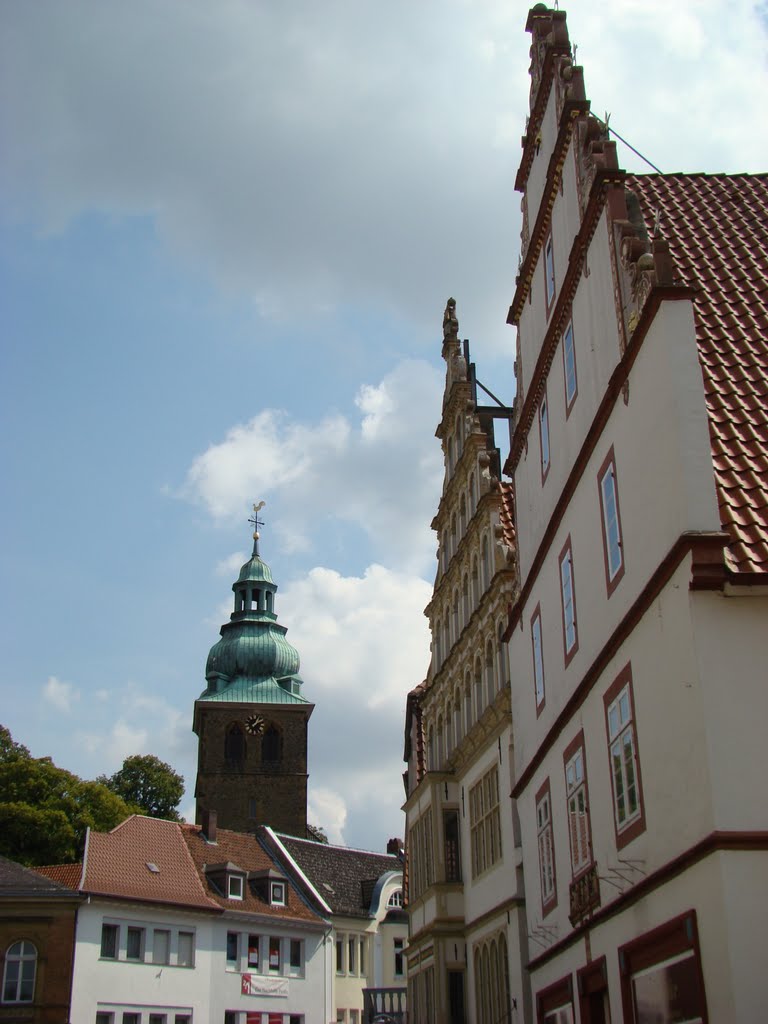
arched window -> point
(479, 702)
(472, 495)
(269, 600)
(431, 749)
(395, 898)
(486, 975)
(485, 578)
(234, 744)
(456, 626)
(459, 429)
(454, 537)
(490, 675)
(457, 733)
(475, 584)
(494, 986)
(462, 516)
(465, 612)
(436, 645)
(478, 989)
(439, 750)
(503, 670)
(468, 720)
(19, 974)
(271, 745)
(447, 638)
(504, 968)
(449, 448)
(448, 729)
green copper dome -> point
(253, 661)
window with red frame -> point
(613, 548)
(578, 806)
(626, 784)
(538, 658)
(568, 595)
(544, 437)
(546, 848)
(549, 272)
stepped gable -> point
(345, 878)
(116, 864)
(717, 229)
(243, 851)
(17, 880)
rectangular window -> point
(235, 887)
(538, 659)
(277, 893)
(233, 951)
(362, 956)
(354, 1016)
(161, 946)
(253, 951)
(109, 941)
(158, 1018)
(484, 822)
(134, 947)
(351, 948)
(568, 596)
(660, 974)
(451, 848)
(296, 957)
(546, 848)
(230, 1017)
(131, 1018)
(339, 956)
(578, 805)
(275, 962)
(613, 549)
(182, 1018)
(619, 704)
(105, 1018)
(569, 367)
(186, 949)
(544, 437)
(399, 965)
(549, 272)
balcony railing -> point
(584, 893)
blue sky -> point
(228, 234)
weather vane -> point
(256, 524)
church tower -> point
(251, 720)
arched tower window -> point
(234, 744)
(269, 597)
(272, 745)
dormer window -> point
(235, 887)
(277, 894)
(395, 900)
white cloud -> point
(61, 695)
(231, 564)
(327, 809)
(382, 474)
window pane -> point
(134, 944)
(296, 954)
(253, 950)
(11, 981)
(109, 940)
(544, 424)
(186, 949)
(161, 944)
(274, 954)
(232, 947)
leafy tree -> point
(150, 784)
(45, 811)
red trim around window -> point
(549, 302)
(568, 550)
(539, 706)
(636, 827)
(544, 400)
(591, 980)
(560, 993)
(577, 743)
(544, 790)
(570, 405)
(680, 935)
(610, 460)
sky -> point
(227, 235)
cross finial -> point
(256, 522)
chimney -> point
(209, 826)
(395, 847)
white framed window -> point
(275, 955)
(105, 1018)
(19, 973)
(395, 899)
(296, 958)
(546, 848)
(277, 894)
(235, 887)
(538, 658)
(625, 775)
(484, 822)
(569, 367)
(544, 436)
(568, 596)
(233, 951)
(578, 807)
(399, 946)
(613, 548)
(352, 955)
(363, 947)
(340, 954)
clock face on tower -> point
(254, 724)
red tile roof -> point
(717, 229)
(64, 874)
(116, 864)
(247, 853)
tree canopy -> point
(148, 783)
(45, 810)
